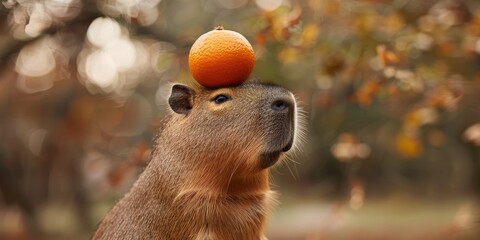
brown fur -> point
(206, 179)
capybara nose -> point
(281, 105)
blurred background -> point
(390, 90)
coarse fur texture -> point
(208, 176)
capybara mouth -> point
(269, 159)
(289, 145)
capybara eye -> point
(221, 98)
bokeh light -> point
(268, 5)
(39, 20)
(472, 134)
(348, 148)
(35, 60)
(102, 31)
(101, 69)
(123, 53)
(63, 9)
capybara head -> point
(245, 128)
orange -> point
(221, 58)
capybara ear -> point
(181, 99)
